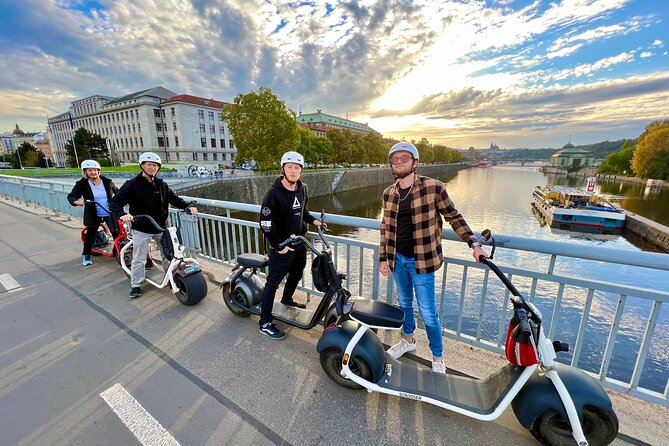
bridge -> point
(168, 332)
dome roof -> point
(18, 131)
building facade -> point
(571, 158)
(320, 123)
(179, 128)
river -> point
(499, 198)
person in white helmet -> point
(410, 245)
(149, 195)
(93, 187)
(284, 212)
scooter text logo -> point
(410, 396)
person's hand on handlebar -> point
(321, 224)
(79, 202)
(285, 250)
(478, 252)
(125, 218)
(191, 210)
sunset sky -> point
(462, 73)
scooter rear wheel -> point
(231, 300)
(599, 426)
(331, 364)
(192, 288)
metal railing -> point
(596, 316)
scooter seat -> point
(252, 260)
(377, 313)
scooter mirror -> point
(486, 234)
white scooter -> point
(556, 402)
(183, 274)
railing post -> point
(190, 235)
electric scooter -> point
(243, 289)
(556, 402)
(183, 274)
(107, 249)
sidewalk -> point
(640, 422)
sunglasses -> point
(400, 159)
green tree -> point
(425, 151)
(316, 150)
(89, 146)
(29, 156)
(652, 152)
(619, 162)
(262, 128)
(340, 145)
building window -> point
(215, 158)
(211, 115)
(212, 129)
(204, 157)
(223, 157)
(213, 142)
(200, 114)
(222, 144)
(161, 141)
(176, 141)
(172, 110)
(139, 127)
(194, 156)
(177, 155)
(156, 113)
(167, 141)
(203, 142)
(201, 128)
(174, 125)
(159, 127)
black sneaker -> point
(292, 303)
(270, 330)
(135, 292)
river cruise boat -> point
(575, 209)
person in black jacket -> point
(145, 194)
(93, 187)
(283, 213)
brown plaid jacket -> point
(429, 201)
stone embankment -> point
(649, 230)
(252, 189)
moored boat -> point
(569, 208)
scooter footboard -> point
(539, 395)
(369, 348)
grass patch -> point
(53, 172)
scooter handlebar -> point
(150, 219)
(100, 205)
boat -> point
(576, 209)
(484, 163)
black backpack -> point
(319, 273)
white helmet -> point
(292, 157)
(404, 147)
(150, 157)
(90, 164)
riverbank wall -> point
(252, 189)
(649, 230)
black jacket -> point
(284, 212)
(149, 198)
(83, 190)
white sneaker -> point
(401, 348)
(438, 367)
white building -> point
(6, 143)
(177, 127)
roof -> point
(332, 120)
(157, 92)
(571, 151)
(196, 100)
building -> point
(6, 143)
(20, 137)
(571, 158)
(179, 128)
(320, 123)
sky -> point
(518, 73)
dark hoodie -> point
(284, 212)
(146, 197)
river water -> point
(499, 198)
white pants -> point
(140, 249)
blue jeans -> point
(408, 281)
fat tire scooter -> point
(559, 404)
(243, 289)
(183, 274)
(112, 249)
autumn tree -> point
(262, 128)
(651, 156)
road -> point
(173, 374)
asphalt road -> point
(193, 375)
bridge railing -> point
(618, 332)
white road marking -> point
(8, 282)
(143, 426)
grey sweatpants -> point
(140, 249)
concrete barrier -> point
(649, 230)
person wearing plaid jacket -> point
(410, 245)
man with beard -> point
(284, 212)
(410, 245)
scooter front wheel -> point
(192, 288)
(600, 428)
(331, 364)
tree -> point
(29, 156)
(262, 128)
(340, 145)
(89, 146)
(314, 149)
(652, 152)
(619, 162)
